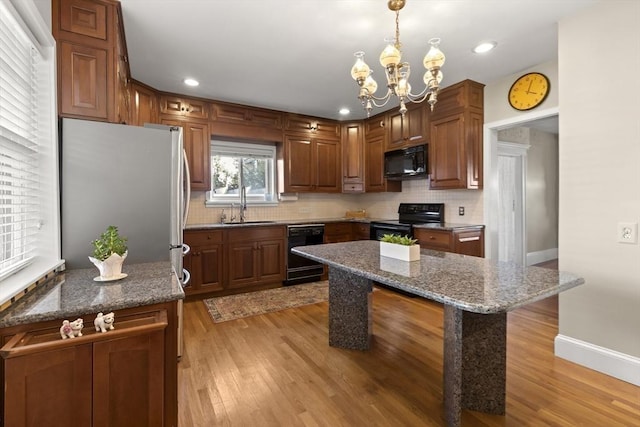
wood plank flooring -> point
(278, 370)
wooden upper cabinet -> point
(311, 165)
(352, 158)
(313, 126)
(85, 18)
(408, 130)
(143, 105)
(84, 82)
(197, 143)
(91, 77)
(455, 146)
(244, 122)
(123, 75)
(184, 107)
(374, 166)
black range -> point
(409, 214)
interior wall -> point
(599, 175)
(542, 192)
(377, 205)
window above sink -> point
(238, 164)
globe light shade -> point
(434, 58)
(370, 85)
(360, 70)
(390, 56)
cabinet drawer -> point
(184, 107)
(256, 233)
(201, 238)
(432, 239)
(337, 228)
(353, 188)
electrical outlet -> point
(461, 210)
(628, 232)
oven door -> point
(377, 230)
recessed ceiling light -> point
(344, 111)
(191, 82)
(484, 47)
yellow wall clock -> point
(528, 91)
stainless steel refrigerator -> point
(135, 178)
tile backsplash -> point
(377, 205)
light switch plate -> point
(628, 232)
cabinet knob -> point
(432, 238)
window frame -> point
(263, 150)
(47, 247)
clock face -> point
(529, 91)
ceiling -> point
(296, 55)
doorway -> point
(506, 222)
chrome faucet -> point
(243, 202)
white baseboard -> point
(542, 256)
(601, 359)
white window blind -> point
(18, 147)
(29, 229)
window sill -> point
(225, 204)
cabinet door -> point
(51, 388)
(197, 146)
(374, 167)
(243, 264)
(474, 150)
(352, 157)
(447, 153)
(206, 269)
(184, 107)
(409, 130)
(338, 232)
(144, 105)
(84, 81)
(300, 165)
(469, 242)
(328, 166)
(128, 381)
(271, 253)
(361, 231)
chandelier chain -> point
(398, 45)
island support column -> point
(475, 357)
(349, 310)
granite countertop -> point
(446, 226)
(469, 283)
(74, 293)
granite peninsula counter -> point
(476, 293)
(124, 376)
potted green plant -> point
(109, 252)
(400, 247)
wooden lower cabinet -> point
(361, 231)
(246, 257)
(124, 377)
(256, 256)
(463, 240)
(205, 261)
(336, 232)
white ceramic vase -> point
(110, 267)
(402, 252)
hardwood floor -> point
(278, 370)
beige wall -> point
(600, 173)
(377, 205)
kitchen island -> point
(476, 293)
(126, 376)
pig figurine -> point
(104, 322)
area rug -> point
(233, 307)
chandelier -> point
(397, 72)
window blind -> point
(19, 179)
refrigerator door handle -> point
(185, 249)
(187, 196)
(187, 277)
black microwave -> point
(408, 163)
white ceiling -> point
(296, 55)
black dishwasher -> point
(301, 269)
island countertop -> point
(74, 293)
(469, 283)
